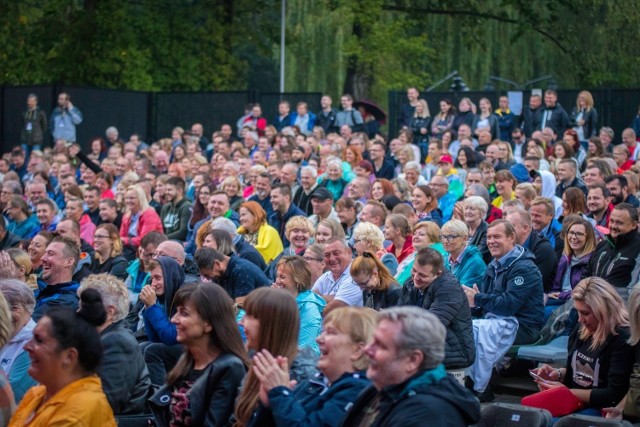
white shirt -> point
(343, 289)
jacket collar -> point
(418, 381)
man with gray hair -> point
(410, 383)
(308, 183)
(243, 248)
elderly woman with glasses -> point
(465, 261)
(474, 212)
(369, 238)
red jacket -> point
(407, 249)
(148, 221)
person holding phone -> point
(600, 359)
(64, 119)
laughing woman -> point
(322, 401)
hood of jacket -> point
(549, 184)
(173, 277)
(309, 297)
(85, 259)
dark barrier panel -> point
(101, 108)
(14, 103)
(270, 101)
(624, 108)
(212, 109)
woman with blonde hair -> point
(256, 231)
(328, 228)
(299, 231)
(420, 126)
(139, 220)
(368, 237)
(600, 358)
(379, 288)
(584, 117)
(398, 231)
(323, 401)
(108, 252)
(425, 235)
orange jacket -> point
(80, 403)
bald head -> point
(172, 249)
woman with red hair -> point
(571, 138)
(256, 231)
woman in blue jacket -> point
(294, 275)
(465, 261)
(323, 400)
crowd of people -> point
(310, 270)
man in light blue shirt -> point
(64, 119)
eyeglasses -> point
(100, 237)
(449, 237)
(364, 284)
(313, 259)
(576, 234)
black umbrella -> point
(373, 109)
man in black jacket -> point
(529, 117)
(382, 166)
(546, 259)
(552, 114)
(434, 288)
(409, 380)
(617, 258)
(7, 238)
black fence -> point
(152, 115)
(616, 107)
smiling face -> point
(620, 223)
(36, 250)
(157, 281)
(498, 242)
(190, 327)
(377, 192)
(577, 237)
(131, 201)
(247, 219)
(55, 264)
(423, 275)
(386, 364)
(46, 359)
(323, 233)
(337, 352)
(299, 237)
(419, 200)
(336, 258)
(251, 330)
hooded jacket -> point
(514, 288)
(549, 190)
(157, 318)
(15, 361)
(445, 299)
(83, 268)
(310, 306)
(617, 261)
(428, 398)
(471, 268)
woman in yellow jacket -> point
(256, 231)
(65, 351)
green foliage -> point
(366, 46)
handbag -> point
(559, 401)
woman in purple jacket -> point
(579, 244)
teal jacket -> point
(471, 268)
(136, 278)
(310, 306)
